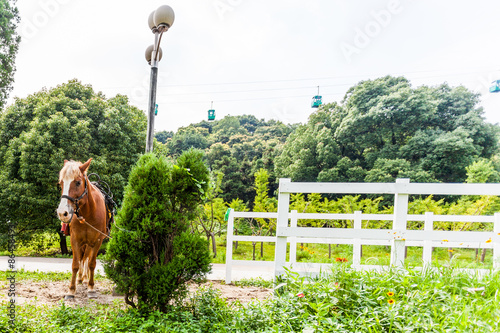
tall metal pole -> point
(152, 96)
(151, 109)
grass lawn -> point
(346, 300)
(372, 254)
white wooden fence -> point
(398, 237)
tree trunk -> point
(253, 246)
(477, 253)
(329, 251)
(261, 250)
(483, 255)
(62, 243)
(406, 252)
(214, 245)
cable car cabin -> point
(316, 101)
(495, 86)
(211, 115)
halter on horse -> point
(83, 212)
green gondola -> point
(211, 113)
(316, 100)
(495, 86)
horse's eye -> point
(78, 183)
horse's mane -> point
(71, 168)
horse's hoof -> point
(69, 297)
(91, 294)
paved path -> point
(64, 265)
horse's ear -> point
(85, 166)
(65, 161)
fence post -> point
(427, 251)
(229, 246)
(496, 244)
(282, 221)
(356, 244)
(293, 240)
(399, 224)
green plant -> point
(151, 255)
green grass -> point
(372, 254)
(24, 275)
(443, 299)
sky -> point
(256, 57)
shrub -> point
(151, 255)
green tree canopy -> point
(9, 43)
(237, 147)
(70, 121)
(385, 129)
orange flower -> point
(390, 294)
(445, 240)
(341, 259)
(450, 250)
(391, 301)
(488, 241)
(300, 295)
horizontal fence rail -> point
(398, 237)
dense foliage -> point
(70, 122)
(439, 300)
(382, 130)
(385, 129)
(9, 44)
(236, 146)
(152, 255)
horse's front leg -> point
(74, 267)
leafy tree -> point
(70, 121)
(152, 255)
(9, 44)
(211, 216)
(386, 170)
(163, 136)
(262, 203)
(384, 129)
(237, 146)
(187, 138)
(482, 171)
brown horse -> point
(83, 214)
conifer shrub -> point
(152, 254)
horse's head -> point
(73, 182)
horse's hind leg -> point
(92, 259)
(82, 272)
(85, 269)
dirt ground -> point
(48, 293)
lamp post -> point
(159, 22)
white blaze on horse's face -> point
(65, 210)
(67, 176)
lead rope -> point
(99, 231)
